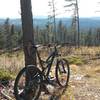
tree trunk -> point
(27, 27)
(28, 36)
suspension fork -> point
(61, 69)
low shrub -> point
(5, 75)
(76, 60)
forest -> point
(11, 35)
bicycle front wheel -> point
(62, 72)
(34, 86)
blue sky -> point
(11, 8)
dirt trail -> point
(85, 82)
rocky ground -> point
(84, 84)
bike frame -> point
(49, 62)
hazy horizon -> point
(45, 17)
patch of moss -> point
(76, 60)
(5, 75)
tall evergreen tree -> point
(1, 39)
(98, 37)
(88, 39)
(7, 34)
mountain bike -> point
(42, 75)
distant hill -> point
(85, 23)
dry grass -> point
(83, 78)
(12, 62)
(86, 81)
(15, 61)
(68, 94)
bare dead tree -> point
(75, 19)
(28, 36)
(52, 17)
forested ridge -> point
(85, 23)
(11, 34)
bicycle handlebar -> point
(55, 45)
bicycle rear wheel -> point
(62, 72)
(33, 88)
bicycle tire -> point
(66, 70)
(38, 89)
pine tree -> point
(7, 34)
(1, 39)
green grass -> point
(6, 75)
(77, 60)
